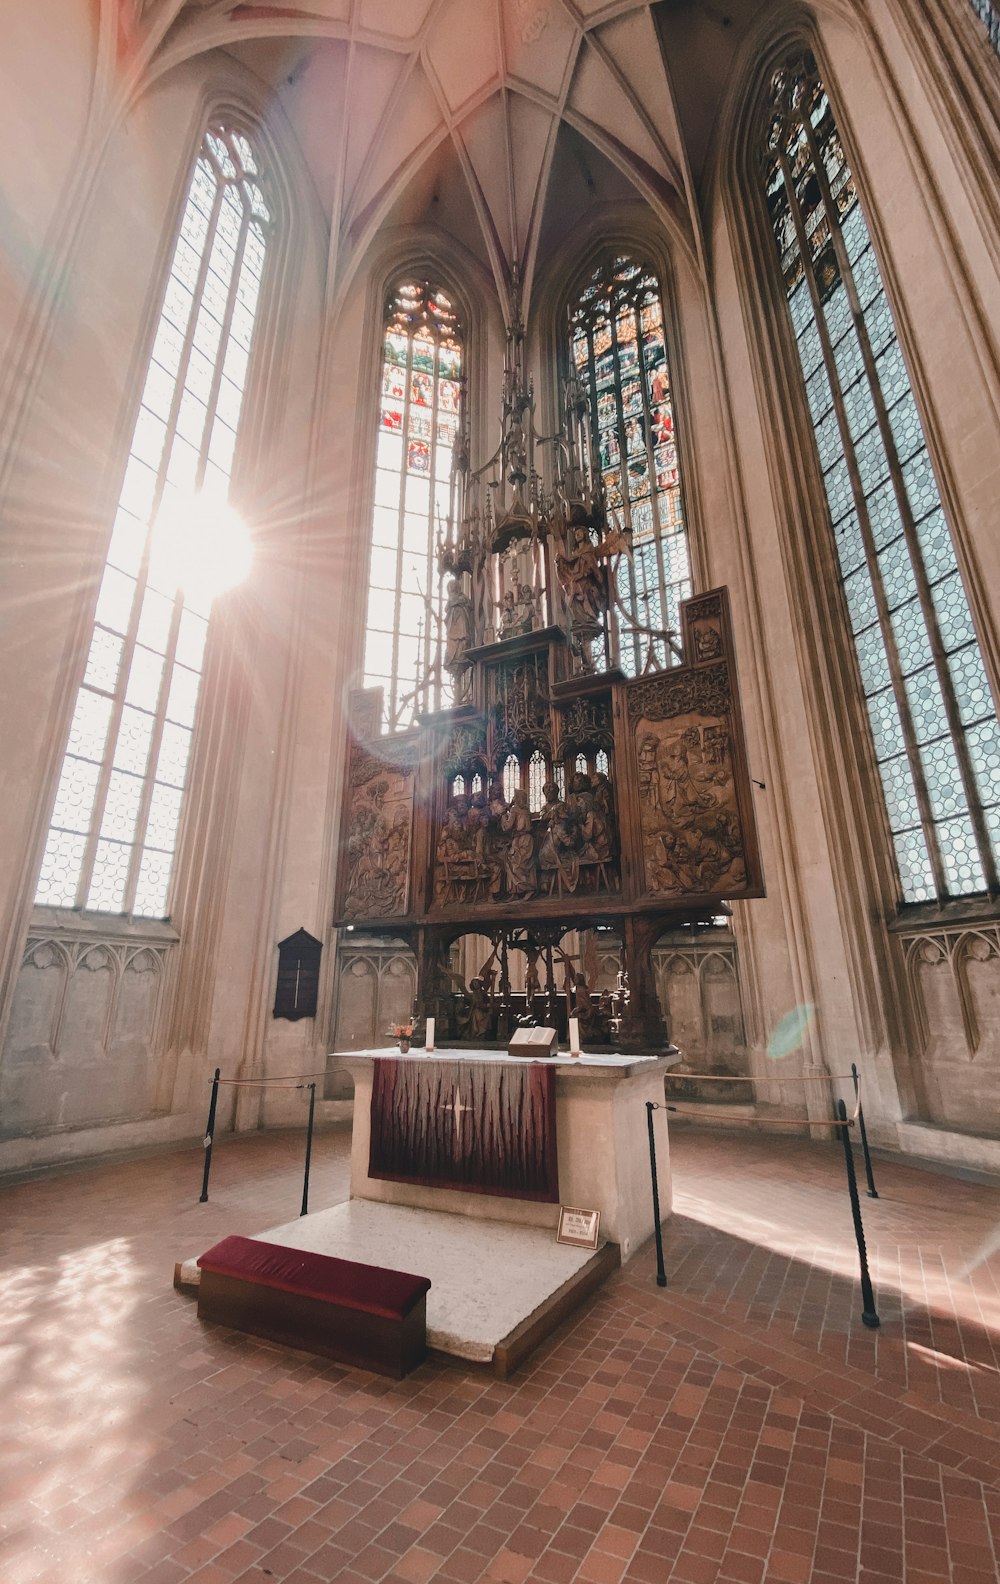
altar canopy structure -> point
(572, 764)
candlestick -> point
(574, 1036)
(429, 1040)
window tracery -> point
(418, 426)
(113, 832)
(926, 692)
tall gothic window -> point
(989, 14)
(928, 701)
(111, 842)
(619, 354)
(417, 429)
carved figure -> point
(459, 626)
(557, 855)
(519, 858)
(580, 576)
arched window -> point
(111, 842)
(619, 354)
(511, 776)
(537, 777)
(989, 14)
(417, 429)
(928, 700)
(601, 763)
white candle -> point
(429, 1040)
(574, 1036)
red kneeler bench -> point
(357, 1314)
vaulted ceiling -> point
(382, 90)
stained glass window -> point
(114, 827)
(417, 429)
(619, 354)
(926, 692)
(988, 13)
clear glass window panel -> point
(110, 878)
(927, 711)
(943, 777)
(237, 359)
(62, 864)
(183, 698)
(153, 885)
(907, 433)
(241, 326)
(878, 322)
(916, 876)
(418, 496)
(872, 462)
(960, 857)
(984, 752)
(953, 614)
(849, 543)
(199, 375)
(872, 660)
(936, 548)
(849, 361)
(158, 392)
(134, 737)
(182, 469)
(175, 746)
(168, 347)
(191, 419)
(88, 734)
(230, 400)
(887, 728)
(222, 446)
(154, 620)
(389, 457)
(972, 689)
(164, 817)
(883, 515)
(896, 569)
(114, 603)
(138, 489)
(215, 295)
(191, 636)
(900, 793)
(413, 615)
(186, 262)
(912, 641)
(378, 654)
(382, 609)
(414, 533)
(75, 798)
(207, 334)
(103, 661)
(384, 566)
(144, 678)
(860, 600)
(177, 304)
(837, 313)
(385, 527)
(248, 289)
(128, 541)
(194, 228)
(859, 406)
(121, 808)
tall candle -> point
(574, 1036)
(429, 1041)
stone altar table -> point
(601, 1140)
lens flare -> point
(200, 545)
(789, 1031)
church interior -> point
(497, 558)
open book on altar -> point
(533, 1042)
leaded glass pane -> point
(928, 700)
(619, 353)
(417, 428)
(183, 437)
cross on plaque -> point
(457, 1109)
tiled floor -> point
(740, 1425)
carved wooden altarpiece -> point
(553, 801)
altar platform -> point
(600, 1133)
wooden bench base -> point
(372, 1342)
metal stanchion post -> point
(661, 1275)
(309, 1144)
(209, 1135)
(872, 1191)
(869, 1315)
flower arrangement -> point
(403, 1032)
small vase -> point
(404, 1045)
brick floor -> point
(738, 1426)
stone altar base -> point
(497, 1289)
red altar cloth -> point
(482, 1127)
